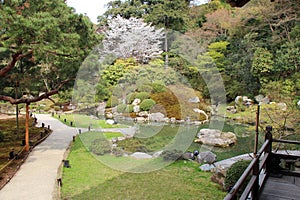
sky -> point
(92, 8)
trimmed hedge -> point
(234, 173)
(147, 104)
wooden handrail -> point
(254, 169)
(286, 141)
(255, 162)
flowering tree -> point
(132, 37)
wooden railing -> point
(258, 170)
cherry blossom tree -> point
(125, 38)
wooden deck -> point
(281, 188)
(271, 175)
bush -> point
(171, 155)
(1, 137)
(158, 86)
(112, 102)
(129, 108)
(142, 95)
(121, 108)
(145, 88)
(147, 104)
(100, 146)
(234, 173)
(130, 97)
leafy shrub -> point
(100, 146)
(130, 97)
(121, 108)
(145, 88)
(234, 173)
(129, 108)
(158, 86)
(112, 102)
(142, 95)
(147, 104)
(1, 137)
(171, 155)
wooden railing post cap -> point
(269, 128)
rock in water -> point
(216, 138)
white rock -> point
(140, 155)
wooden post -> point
(269, 137)
(256, 131)
(255, 172)
(27, 128)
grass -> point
(91, 179)
(84, 121)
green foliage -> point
(142, 96)
(262, 65)
(147, 104)
(100, 146)
(130, 97)
(234, 173)
(159, 63)
(45, 42)
(217, 52)
(158, 86)
(121, 108)
(112, 102)
(143, 85)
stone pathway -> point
(36, 179)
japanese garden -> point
(160, 99)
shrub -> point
(129, 108)
(145, 88)
(100, 146)
(1, 137)
(158, 86)
(171, 155)
(130, 97)
(121, 108)
(142, 95)
(147, 104)
(234, 173)
(112, 102)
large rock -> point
(206, 157)
(216, 138)
(157, 117)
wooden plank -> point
(281, 188)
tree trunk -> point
(27, 128)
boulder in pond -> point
(216, 138)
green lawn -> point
(84, 121)
(88, 178)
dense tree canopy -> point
(42, 44)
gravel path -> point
(36, 179)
